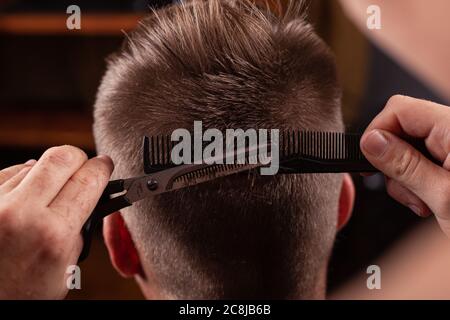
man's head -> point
(230, 65)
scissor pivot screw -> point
(152, 184)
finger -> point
(417, 118)
(400, 161)
(16, 179)
(446, 165)
(81, 193)
(8, 173)
(51, 173)
(407, 198)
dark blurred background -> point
(48, 80)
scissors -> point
(123, 193)
(301, 152)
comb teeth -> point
(335, 146)
(157, 153)
(320, 145)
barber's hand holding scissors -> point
(412, 179)
(43, 206)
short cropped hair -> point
(230, 64)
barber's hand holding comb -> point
(412, 179)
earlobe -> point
(121, 248)
(346, 201)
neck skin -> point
(321, 285)
(152, 292)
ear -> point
(346, 201)
(121, 248)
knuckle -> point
(407, 165)
(446, 140)
(64, 155)
(396, 101)
(446, 205)
(10, 212)
(8, 217)
(87, 179)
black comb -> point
(300, 152)
(321, 152)
(157, 153)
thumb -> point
(401, 162)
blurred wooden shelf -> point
(45, 129)
(55, 24)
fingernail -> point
(30, 162)
(375, 143)
(416, 210)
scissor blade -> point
(201, 174)
(187, 175)
(180, 177)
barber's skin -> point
(412, 179)
(44, 204)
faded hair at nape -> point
(230, 64)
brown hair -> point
(231, 64)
